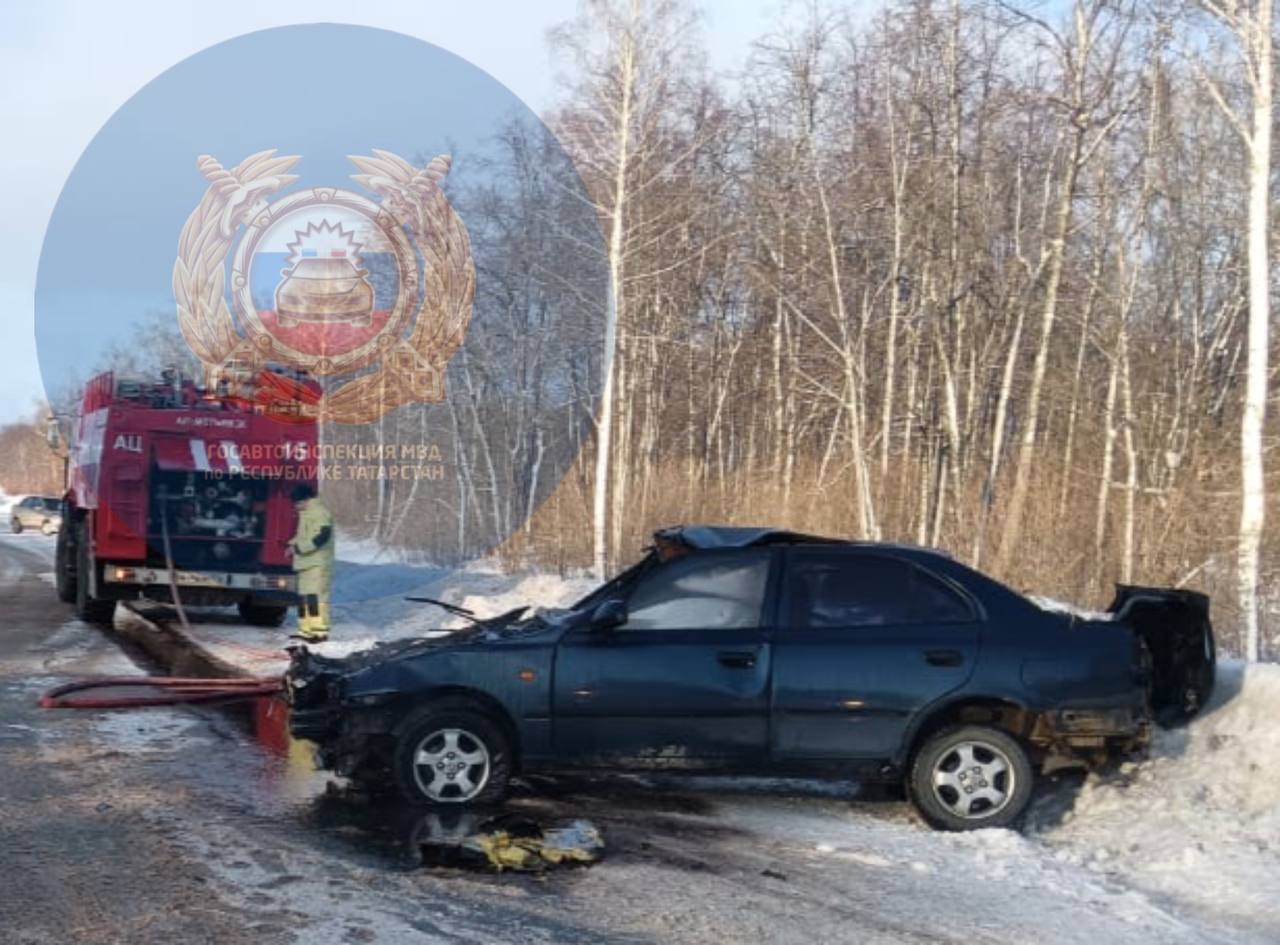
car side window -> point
(701, 592)
(830, 590)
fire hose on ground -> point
(160, 690)
(170, 690)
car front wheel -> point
(16, 526)
(971, 776)
(452, 753)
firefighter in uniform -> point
(313, 548)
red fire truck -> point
(172, 488)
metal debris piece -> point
(518, 843)
(577, 842)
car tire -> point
(262, 615)
(48, 528)
(968, 777)
(470, 750)
(16, 526)
(89, 609)
(64, 570)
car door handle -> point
(943, 657)
(737, 659)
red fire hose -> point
(173, 690)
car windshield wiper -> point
(449, 608)
(502, 619)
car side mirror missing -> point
(610, 615)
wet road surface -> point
(199, 825)
(176, 825)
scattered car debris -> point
(508, 842)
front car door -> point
(865, 640)
(685, 678)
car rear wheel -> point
(452, 753)
(971, 776)
(47, 527)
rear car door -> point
(865, 640)
(687, 675)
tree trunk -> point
(1253, 485)
(604, 426)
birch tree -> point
(629, 57)
(1091, 60)
(1251, 23)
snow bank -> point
(1200, 818)
(370, 585)
(485, 589)
(370, 606)
(1226, 762)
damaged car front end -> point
(357, 709)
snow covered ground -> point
(369, 590)
(1182, 846)
(1198, 822)
(370, 587)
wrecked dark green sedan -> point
(753, 649)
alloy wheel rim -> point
(974, 780)
(451, 765)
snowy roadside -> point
(369, 607)
(1194, 827)
(1199, 820)
(1188, 837)
(1181, 846)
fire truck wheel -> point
(89, 609)
(262, 615)
(64, 568)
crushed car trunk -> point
(1174, 628)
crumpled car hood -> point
(545, 626)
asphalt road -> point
(180, 826)
(190, 826)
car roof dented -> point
(711, 537)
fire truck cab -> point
(173, 486)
